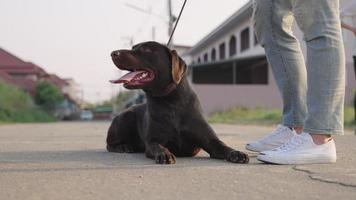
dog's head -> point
(152, 67)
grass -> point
(17, 106)
(349, 117)
(28, 115)
(240, 115)
(260, 116)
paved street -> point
(69, 161)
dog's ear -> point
(178, 67)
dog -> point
(170, 124)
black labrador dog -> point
(171, 123)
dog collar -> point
(170, 88)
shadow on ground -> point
(95, 159)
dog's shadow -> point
(93, 159)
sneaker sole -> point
(258, 151)
(254, 150)
(269, 160)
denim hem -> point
(324, 132)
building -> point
(229, 67)
(73, 90)
(26, 75)
(182, 51)
(19, 73)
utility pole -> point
(171, 18)
(153, 33)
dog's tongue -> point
(128, 77)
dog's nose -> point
(115, 54)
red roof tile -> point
(12, 65)
(29, 68)
(7, 59)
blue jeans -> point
(312, 91)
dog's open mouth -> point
(135, 78)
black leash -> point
(175, 25)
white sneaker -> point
(273, 140)
(301, 149)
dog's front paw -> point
(237, 157)
(165, 158)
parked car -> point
(86, 115)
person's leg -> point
(320, 22)
(273, 21)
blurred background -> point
(55, 58)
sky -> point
(74, 38)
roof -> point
(229, 24)
(181, 46)
(28, 68)
(57, 81)
(14, 65)
(8, 59)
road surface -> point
(69, 161)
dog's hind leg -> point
(122, 135)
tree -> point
(48, 96)
(121, 99)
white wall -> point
(253, 50)
(220, 97)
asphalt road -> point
(69, 161)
